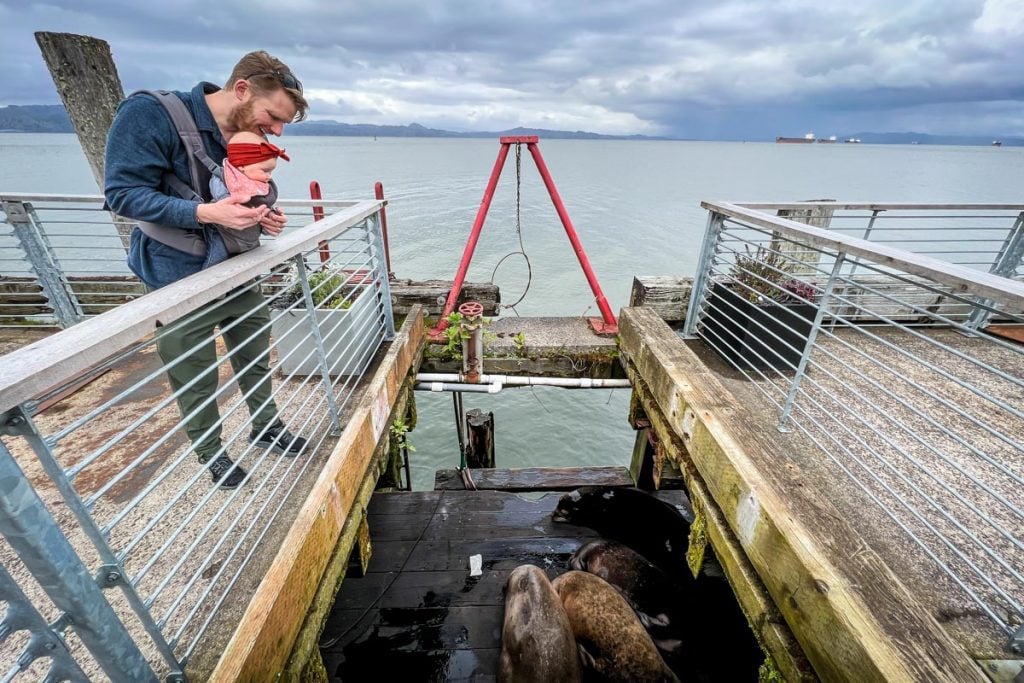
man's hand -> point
(273, 223)
(230, 212)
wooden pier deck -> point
(861, 600)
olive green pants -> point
(192, 341)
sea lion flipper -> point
(586, 658)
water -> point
(636, 206)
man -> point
(144, 156)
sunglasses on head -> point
(286, 78)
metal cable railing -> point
(130, 455)
(878, 356)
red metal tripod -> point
(604, 325)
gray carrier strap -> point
(200, 167)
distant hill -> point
(35, 118)
(52, 118)
(415, 130)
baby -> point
(245, 175)
(247, 170)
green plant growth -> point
(328, 288)
(454, 334)
(519, 341)
(400, 433)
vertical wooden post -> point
(480, 438)
(805, 259)
(641, 465)
(362, 549)
(86, 78)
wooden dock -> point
(419, 615)
(779, 529)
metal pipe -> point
(378, 192)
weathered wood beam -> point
(710, 526)
(432, 294)
(667, 295)
(260, 645)
(304, 663)
(535, 478)
(850, 613)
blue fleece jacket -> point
(142, 146)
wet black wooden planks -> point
(418, 615)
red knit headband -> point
(245, 153)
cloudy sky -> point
(730, 69)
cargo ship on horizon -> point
(808, 139)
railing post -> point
(18, 422)
(381, 273)
(801, 368)
(40, 256)
(46, 640)
(35, 536)
(1005, 264)
(325, 371)
(716, 223)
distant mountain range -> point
(51, 118)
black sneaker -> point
(278, 439)
(220, 466)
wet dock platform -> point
(418, 614)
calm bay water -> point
(636, 206)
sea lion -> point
(648, 590)
(536, 639)
(635, 518)
(611, 640)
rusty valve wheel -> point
(471, 309)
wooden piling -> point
(479, 438)
(85, 75)
(804, 259)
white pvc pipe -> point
(525, 380)
(455, 386)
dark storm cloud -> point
(735, 69)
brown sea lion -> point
(611, 640)
(647, 589)
(536, 639)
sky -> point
(720, 70)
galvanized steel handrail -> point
(880, 206)
(33, 369)
(962, 280)
(927, 429)
(153, 517)
(100, 199)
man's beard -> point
(242, 119)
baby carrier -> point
(201, 168)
